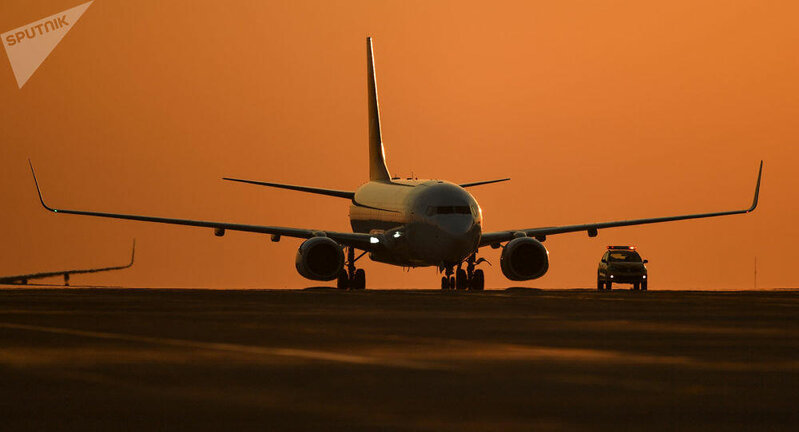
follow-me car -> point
(622, 264)
(409, 223)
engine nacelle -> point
(524, 258)
(319, 258)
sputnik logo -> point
(29, 45)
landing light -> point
(644, 276)
(374, 240)
(397, 234)
(611, 276)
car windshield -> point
(624, 256)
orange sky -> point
(598, 110)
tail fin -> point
(377, 158)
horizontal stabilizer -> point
(465, 185)
(319, 191)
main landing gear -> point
(470, 278)
(350, 277)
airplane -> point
(23, 279)
(409, 223)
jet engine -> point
(319, 258)
(524, 258)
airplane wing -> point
(360, 241)
(495, 238)
(23, 279)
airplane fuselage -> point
(423, 222)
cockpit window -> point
(437, 210)
(475, 210)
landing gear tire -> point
(359, 280)
(608, 285)
(461, 280)
(477, 283)
(636, 286)
(643, 285)
(343, 281)
(599, 284)
(350, 277)
(452, 283)
(444, 283)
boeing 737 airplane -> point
(23, 279)
(408, 223)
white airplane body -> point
(409, 223)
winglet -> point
(39, 190)
(757, 189)
(133, 253)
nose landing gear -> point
(476, 278)
(471, 278)
(352, 278)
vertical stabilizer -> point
(377, 158)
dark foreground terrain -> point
(74, 359)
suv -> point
(621, 264)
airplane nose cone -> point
(458, 239)
(457, 225)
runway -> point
(321, 359)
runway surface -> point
(317, 359)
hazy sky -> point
(598, 110)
